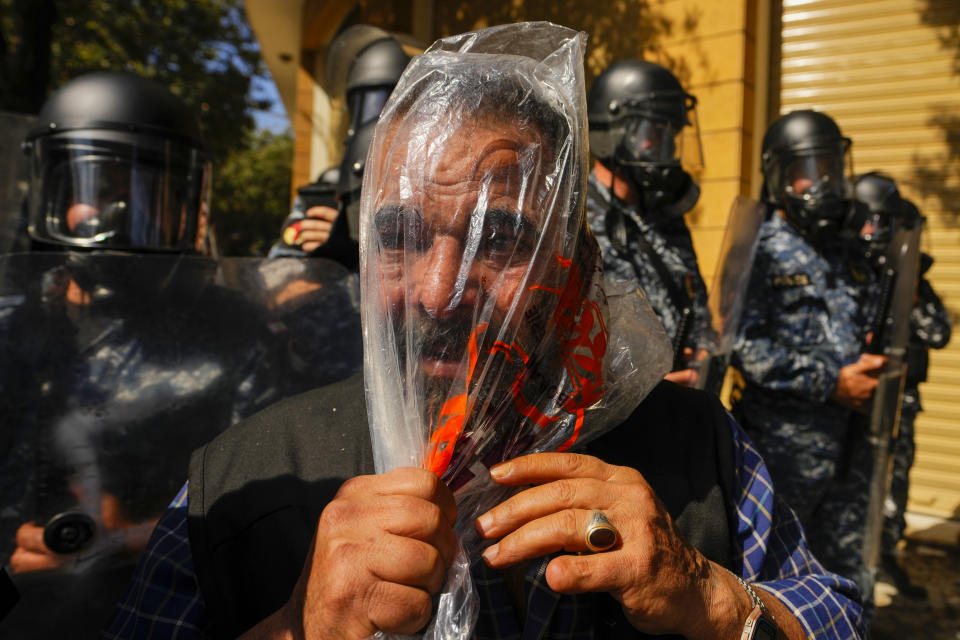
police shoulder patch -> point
(791, 280)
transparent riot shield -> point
(891, 336)
(729, 288)
(113, 368)
(14, 175)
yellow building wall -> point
(889, 72)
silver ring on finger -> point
(600, 534)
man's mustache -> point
(441, 339)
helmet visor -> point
(655, 141)
(810, 174)
(366, 104)
(90, 194)
(877, 227)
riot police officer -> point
(642, 127)
(128, 366)
(801, 339)
(929, 329)
(326, 226)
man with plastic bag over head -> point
(492, 355)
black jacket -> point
(257, 490)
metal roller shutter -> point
(889, 72)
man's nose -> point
(801, 184)
(442, 288)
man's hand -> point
(688, 377)
(32, 554)
(663, 584)
(857, 382)
(315, 227)
(382, 548)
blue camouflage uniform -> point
(670, 238)
(804, 319)
(929, 329)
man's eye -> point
(400, 230)
(392, 239)
(502, 244)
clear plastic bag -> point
(487, 330)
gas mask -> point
(649, 154)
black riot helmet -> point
(886, 212)
(373, 75)
(364, 64)
(643, 126)
(117, 162)
(804, 158)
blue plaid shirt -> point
(163, 599)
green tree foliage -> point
(252, 194)
(202, 50)
(25, 28)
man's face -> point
(456, 222)
(806, 171)
(878, 227)
(651, 140)
(104, 190)
(80, 212)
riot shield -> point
(113, 368)
(727, 294)
(891, 336)
(14, 175)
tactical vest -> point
(257, 490)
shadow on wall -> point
(937, 177)
(944, 16)
(617, 30)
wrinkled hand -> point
(663, 584)
(857, 382)
(381, 549)
(315, 227)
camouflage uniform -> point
(312, 339)
(670, 238)
(803, 320)
(929, 329)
